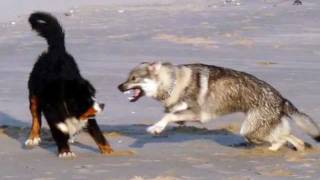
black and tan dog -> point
(59, 92)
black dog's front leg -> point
(61, 139)
(98, 137)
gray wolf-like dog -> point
(199, 93)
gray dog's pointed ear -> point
(144, 64)
(155, 67)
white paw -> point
(33, 142)
(155, 129)
(67, 155)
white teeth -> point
(131, 98)
(127, 92)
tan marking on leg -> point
(34, 136)
(105, 148)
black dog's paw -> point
(66, 155)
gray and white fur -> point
(199, 93)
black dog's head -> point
(80, 100)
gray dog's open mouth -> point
(136, 92)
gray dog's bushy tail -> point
(302, 120)
(48, 27)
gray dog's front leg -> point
(186, 115)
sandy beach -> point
(271, 39)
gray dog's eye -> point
(133, 78)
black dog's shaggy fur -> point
(57, 89)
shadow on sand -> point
(177, 134)
(19, 131)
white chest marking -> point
(149, 87)
(72, 126)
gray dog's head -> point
(144, 79)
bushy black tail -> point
(48, 27)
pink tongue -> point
(136, 92)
